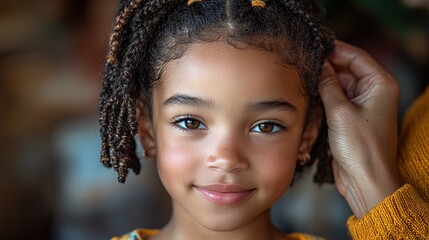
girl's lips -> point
(222, 194)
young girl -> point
(227, 103)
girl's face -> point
(228, 125)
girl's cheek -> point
(277, 169)
(276, 159)
(176, 157)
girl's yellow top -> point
(145, 234)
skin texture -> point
(360, 100)
(228, 117)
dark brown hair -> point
(148, 34)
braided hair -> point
(148, 34)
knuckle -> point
(390, 82)
(359, 52)
(329, 81)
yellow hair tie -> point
(258, 3)
(190, 2)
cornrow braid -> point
(321, 43)
(148, 34)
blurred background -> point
(52, 185)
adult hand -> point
(361, 102)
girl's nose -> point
(228, 156)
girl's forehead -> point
(247, 55)
(222, 72)
(223, 58)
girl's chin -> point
(227, 222)
(222, 226)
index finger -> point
(359, 62)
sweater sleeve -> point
(404, 214)
(413, 151)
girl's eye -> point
(189, 124)
(267, 127)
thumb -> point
(330, 89)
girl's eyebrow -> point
(281, 105)
(184, 99)
(192, 101)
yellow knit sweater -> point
(405, 214)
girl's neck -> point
(182, 226)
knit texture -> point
(413, 161)
(404, 214)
